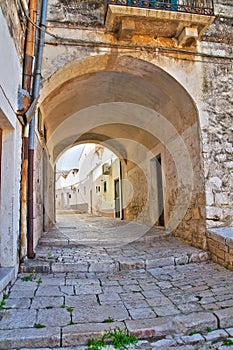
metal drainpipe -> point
(27, 81)
(31, 143)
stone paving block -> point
(141, 313)
(159, 301)
(131, 296)
(52, 281)
(194, 257)
(131, 288)
(157, 327)
(204, 256)
(80, 300)
(23, 292)
(189, 307)
(196, 321)
(153, 293)
(181, 260)
(75, 281)
(67, 290)
(35, 266)
(30, 338)
(153, 263)
(216, 335)
(225, 317)
(226, 303)
(163, 344)
(53, 242)
(166, 310)
(131, 304)
(126, 264)
(53, 317)
(100, 313)
(18, 303)
(88, 289)
(43, 302)
(48, 291)
(112, 289)
(60, 267)
(193, 339)
(230, 331)
(147, 286)
(79, 334)
(108, 297)
(18, 318)
(103, 267)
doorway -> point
(157, 190)
(117, 198)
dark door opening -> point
(0, 160)
(117, 198)
(160, 190)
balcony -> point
(182, 20)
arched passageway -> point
(148, 120)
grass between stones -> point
(117, 337)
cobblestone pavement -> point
(160, 289)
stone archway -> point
(139, 111)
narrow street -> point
(91, 274)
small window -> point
(97, 189)
(105, 186)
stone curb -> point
(39, 266)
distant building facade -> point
(96, 188)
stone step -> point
(51, 265)
(65, 241)
(178, 328)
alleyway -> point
(91, 274)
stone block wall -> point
(220, 245)
(217, 134)
(81, 13)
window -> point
(105, 186)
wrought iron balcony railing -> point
(201, 7)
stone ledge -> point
(220, 245)
(7, 275)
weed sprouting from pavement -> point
(39, 325)
(227, 342)
(193, 332)
(39, 281)
(2, 304)
(27, 278)
(117, 337)
(108, 320)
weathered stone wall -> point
(13, 15)
(11, 34)
(217, 134)
(73, 13)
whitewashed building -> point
(95, 188)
